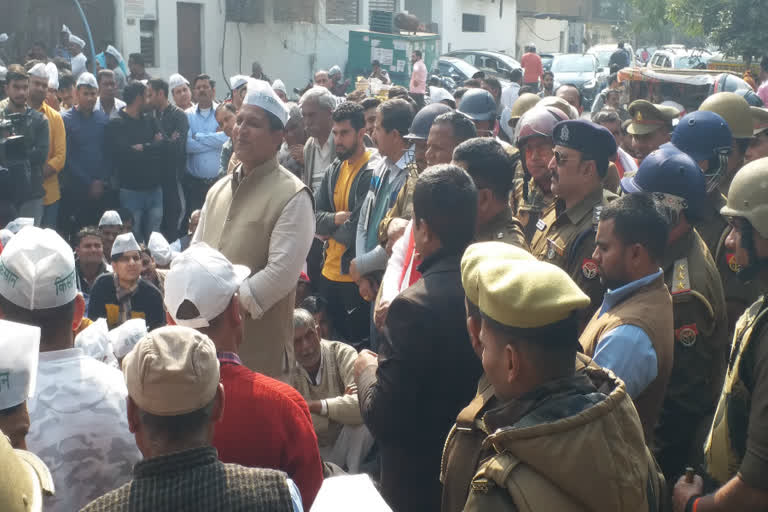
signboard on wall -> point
(134, 8)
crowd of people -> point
(488, 300)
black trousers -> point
(173, 207)
(77, 210)
(349, 312)
(195, 190)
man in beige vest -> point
(262, 216)
(631, 333)
(558, 438)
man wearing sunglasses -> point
(565, 233)
(124, 295)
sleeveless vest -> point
(239, 220)
(649, 308)
(731, 419)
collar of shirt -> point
(577, 212)
(61, 355)
(613, 297)
(319, 379)
(212, 110)
(323, 149)
(176, 462)
(405, 159)
(229, 358)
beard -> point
(611, 283)
(346, 153)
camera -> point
(14, 159)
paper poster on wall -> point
(383, 55)
(134, 8)
(400, 45)
(375, 42)
(400, 66)
(366, 38)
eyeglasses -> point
(127, 258)
(560, 158)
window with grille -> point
(147, 38)
(345, 12)
(382, 5)
(472, 23)
(294, 11)
(246, 11)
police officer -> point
(735, 110)
(699, 313)
(479, 106)
(758, 146)
(532, 186)
(737, 446)
(706, 137)
(523, 324)
(522, 104)
(650, 127)
(565, 234)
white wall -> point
(291, 52)
(544, 33)
(500, 33)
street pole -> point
(88, 32)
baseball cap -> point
(172, 371)
(260, 94)
(37, 270)
(110, 218)
(207, 279)
(124, 243)
(19, 348)
(24, 479)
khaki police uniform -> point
(566, 238)
(647, 117)
(504, 227)
(701, 344)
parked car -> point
(676, 57)
(603, 53)
(546, 60)
(496, 64)
(458, 70)
(583, 71)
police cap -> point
(647, 117)
(592, 140)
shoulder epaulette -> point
(681, 278)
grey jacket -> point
(325, 210)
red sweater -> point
(267, 424)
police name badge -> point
(686, 334)
(589, 268)
(541, 225)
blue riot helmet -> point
(705, 137)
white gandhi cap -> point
(19, 223)
(38, 70)
(19, 348)
(76, 40)
(278, 85)
(261, 94)
(87, 79)
(125, 336)
(37, 270)
(110, 218)
(177, 80)
(124, 243)
(160, 249)
(53, 75)
(237, 81)
(207, 279)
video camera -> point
(14, 159)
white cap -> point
(260, 94)
(5, 236)
(87, 79)
(38, 70)
(176, 80)
(110, 218)
(125, 336)
(160, 249)
(65, 28)
(278, 85)
(124, 243)
(207, 279)
(19, 223)
(95, 342)
(113, 52)
(19, 348)
(237, 81)
(76, 40)
(3, 37)
(37, 270)
(335, 70)
(53, 75)
(438, 94)
(3, 72)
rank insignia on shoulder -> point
(681, 279)
(589, 268)
(596, 216)
(686, 334)
(541, 225)
(554, 249)
(735, 267)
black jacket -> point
(146, 303)
(428, 375)
(173, 120)
(325, 210)
(137, 169)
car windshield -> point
(463, 66)
(690, 61)
(573, 64)
(604, 57)
(509, 61)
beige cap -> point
(172, 371)
(24, 479)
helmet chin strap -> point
(756, 264)
(720, 164)
(526, 178)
